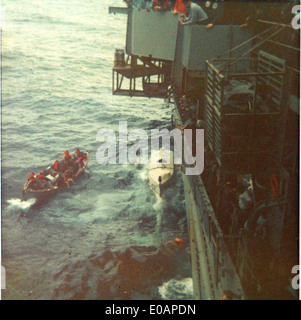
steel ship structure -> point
(241, 85)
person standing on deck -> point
(215, 10)
(141, 4)
(148, 4)
(179, 8)
(196, 13)
(161, 5)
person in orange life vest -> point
(32, 182)
(78, 154)
(40, 176)
(31, 176)
(162, 5)
(41, 180)
(67, 159)
(79, 162)
(180, 8)
(56, 165)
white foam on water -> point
(158, 206)
(18, 204)
(143, 175)
(177, 289)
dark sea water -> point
(102, 239)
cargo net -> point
(245, 111)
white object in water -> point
(160, 170)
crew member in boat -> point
(78, 154)
(59, 180)
(31, 176)
(40, 178)
(32, 182)
(56, 166)
(67, 159)
(79, 162)
(44, 180)
(69, 177)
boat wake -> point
(143, 175)
(158, 206)
(18, 204)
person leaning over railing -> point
(179, 8)
(140, 4)
(195, 13)
(214, 10)
(162, 5)
(148, 4)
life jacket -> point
(40, 176)
(67, 155)
(79, 160)
(179, 6)
(31, 176)
(56, 166)
(179, 242)
(77, 152)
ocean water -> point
(102, 239)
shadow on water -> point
(159, 209)
(137, 272)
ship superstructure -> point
(241, 85)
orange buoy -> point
(179, 242)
